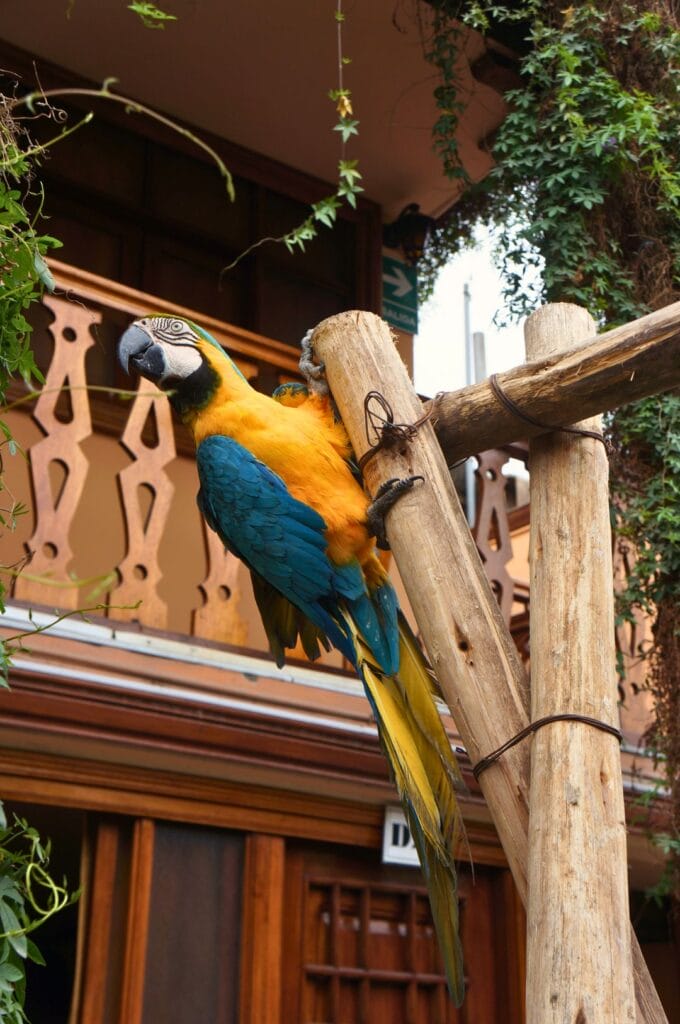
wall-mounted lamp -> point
(410, 232)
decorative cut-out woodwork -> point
(137, 597)
(219, 617)
(492, 531)
(58, 465)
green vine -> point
(22, 250)
(442, 39)
(586, 188)
(41, 102)
(325, 211)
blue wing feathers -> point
(279, 538)
(387, 608)
(283, 541)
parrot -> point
(279, 487)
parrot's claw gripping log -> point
(314, 373)
(387, 496)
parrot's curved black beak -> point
(137, 347)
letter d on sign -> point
(401, 836)
(398, 846)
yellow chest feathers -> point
(302, 445)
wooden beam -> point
(578, 932)
(468, 643)
(603, 372)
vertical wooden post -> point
(137, 927)
(262, 938)
(578, 933)
(95, 956)
(471, 649)
(469, 645)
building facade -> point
(224, 818)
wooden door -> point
(162, 935)
(361, 945)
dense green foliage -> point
(587, 179)
(645, 474)
(28, 897)
(22, 248)
(648, 483)
(587, 188)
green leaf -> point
(325, 210)
(348, 171)
(13, 931)
(151, 15)
(347, 127)
(43, 271)
(8, 972)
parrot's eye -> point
(177, 327)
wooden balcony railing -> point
(113, 519)
(113, 481)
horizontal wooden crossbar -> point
(608, 370)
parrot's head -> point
(178, 356)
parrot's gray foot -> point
(313, 372)
(387, 496)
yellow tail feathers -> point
(427, 776)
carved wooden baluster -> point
(219, 617)
(146, 493)
(58, 465)
(491, 532)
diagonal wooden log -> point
(472, 652)
(578, 933)
(603, 372)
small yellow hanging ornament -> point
(344, 107)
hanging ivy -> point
(586, 187)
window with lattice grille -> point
(359, 945)
(370, 950)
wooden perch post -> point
(468, 643)
(470, 648)
(578, 931)
(601, 372)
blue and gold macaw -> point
(278, 487)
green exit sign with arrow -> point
(400, 295)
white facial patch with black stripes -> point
(182, 357)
